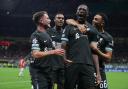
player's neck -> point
(41, 28)
(101, 29)
(81, 21)
(58, 28)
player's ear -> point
(54, 19)
(40, 21)
(103, 23)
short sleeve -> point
(110, 45)
(35, 43)
(93, 35)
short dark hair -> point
(36, 17)
(104, 17)
(59, 12)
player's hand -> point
(59, 52)
(82, 28)
(98, 79)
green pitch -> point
(9, 79)
(117, 80)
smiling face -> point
(45, 20)
(98, 21)
(41, 18)
(82, 13)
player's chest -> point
(56, 36)
(102, 40)
(45, 40)
(75, 34)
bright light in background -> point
(8, 5)
(7, 12)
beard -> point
(97, 25)
(47, 26)
(81, 18)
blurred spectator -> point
(21, 66)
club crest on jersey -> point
(45, 49)
(112, 43)
(77, 36)
(53, 43)
(34, 41)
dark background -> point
(15, 15)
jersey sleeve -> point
(110, 45)
(35, 43)
(92, 36)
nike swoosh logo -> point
(45, 40)
(53, 36)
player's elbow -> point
(35, 55)
(94, 49)
(67, 21)
(108, 59)
(108, 56)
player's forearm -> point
(39, 54)
(72, 22)
(64, 45)
(96, 63)
(106, 56)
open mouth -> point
(81, 14)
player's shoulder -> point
(35, 36)
(109, 35)
(69, 28)
(50, 31)
(92, 29)
(34, 33)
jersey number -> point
(103, 84)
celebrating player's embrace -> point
(71, 56)
(103, 52)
